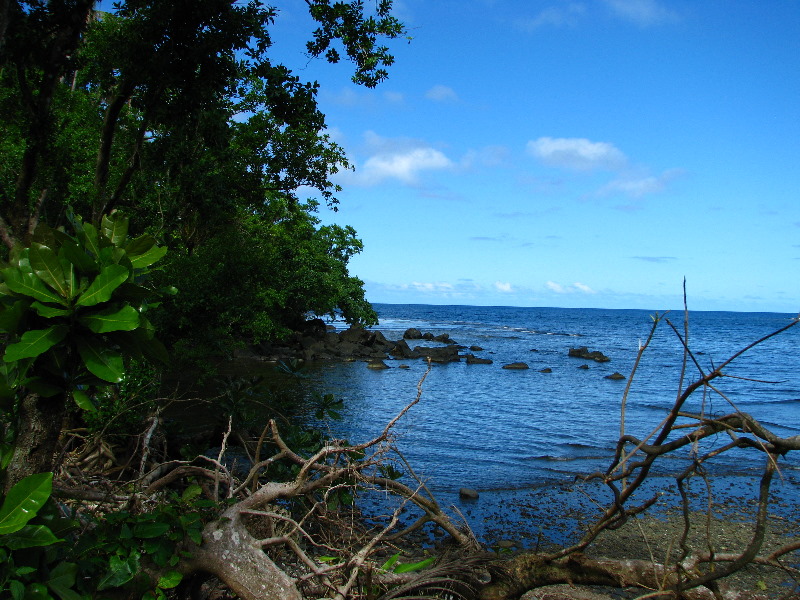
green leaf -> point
(37, 591)
(140, 245)
(62, 580)
(109, 279)
(115, 228)
(30, 536)
(120, 571)
(24, 500)
(417, 566)
(91, 239)
(74, 253)
(17, 589)
(101, 360)
(150, 530)
(83, 401)
(191, 492)
(169, 580)
(46, 265)
(390, 562)
(35, 342)
(153, 255)
(49, 312)
(112, 319)
(41, 386)
(29, 284)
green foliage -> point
(30, 566)
(74, 305)
(115, 552)
(282, 268)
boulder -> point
(615, 376)
(546, 370)
(427, 336)
(516, 365)
(468, 494)
(377, 364)
(584, 353)
(403, 350)
(584, 366)
(475, 348)
(439, 355)
(443, 338)
(412, 333)
(475, 360)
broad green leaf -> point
(24, 500)
(46, 265)
(62, 580)
(35, 342)
(101, 360)
(91, 240)
(140, 245)
(169, 580)
(390, 562)
(17, 589)
(191, 492)
(83, 401)
(115, 228)
(30, 536)
(120, 571)
(43, 310)
(29, 284)
(150, 530)
(74, 253)
(153, 255)
(112, 319)
(109, 279)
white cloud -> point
(637, 185)
(403, 166)
(402, 159)
(503, 287)
(556, 287)
(578, 154)
(576, 287)
(441, 93)
(436, 287)
(555, 15)
(642, 12)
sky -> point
(573, 153)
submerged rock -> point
(377, 364)
(516, 365)
(615, 376)
(468, 494)
(475, 360)
(586, 354)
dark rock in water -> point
(516, 365)
(584, 353)
(584, 367)
(427, 335)
(439, 355)
(475, 348)
(474, 360)
(402, 350)
(615, 376)
(534, 350)
(403, 367)
(314, 328)
(377, 364)
(468, 494)
(546, 370)
(444, 338)
(412, 333)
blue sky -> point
(574, 153)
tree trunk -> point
(39, 427)
(233, 555)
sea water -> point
(488, 428)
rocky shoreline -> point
(320, 342)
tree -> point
(174, 112)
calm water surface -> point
(493, 429)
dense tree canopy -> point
(174, 113)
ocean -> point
(507, 432)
